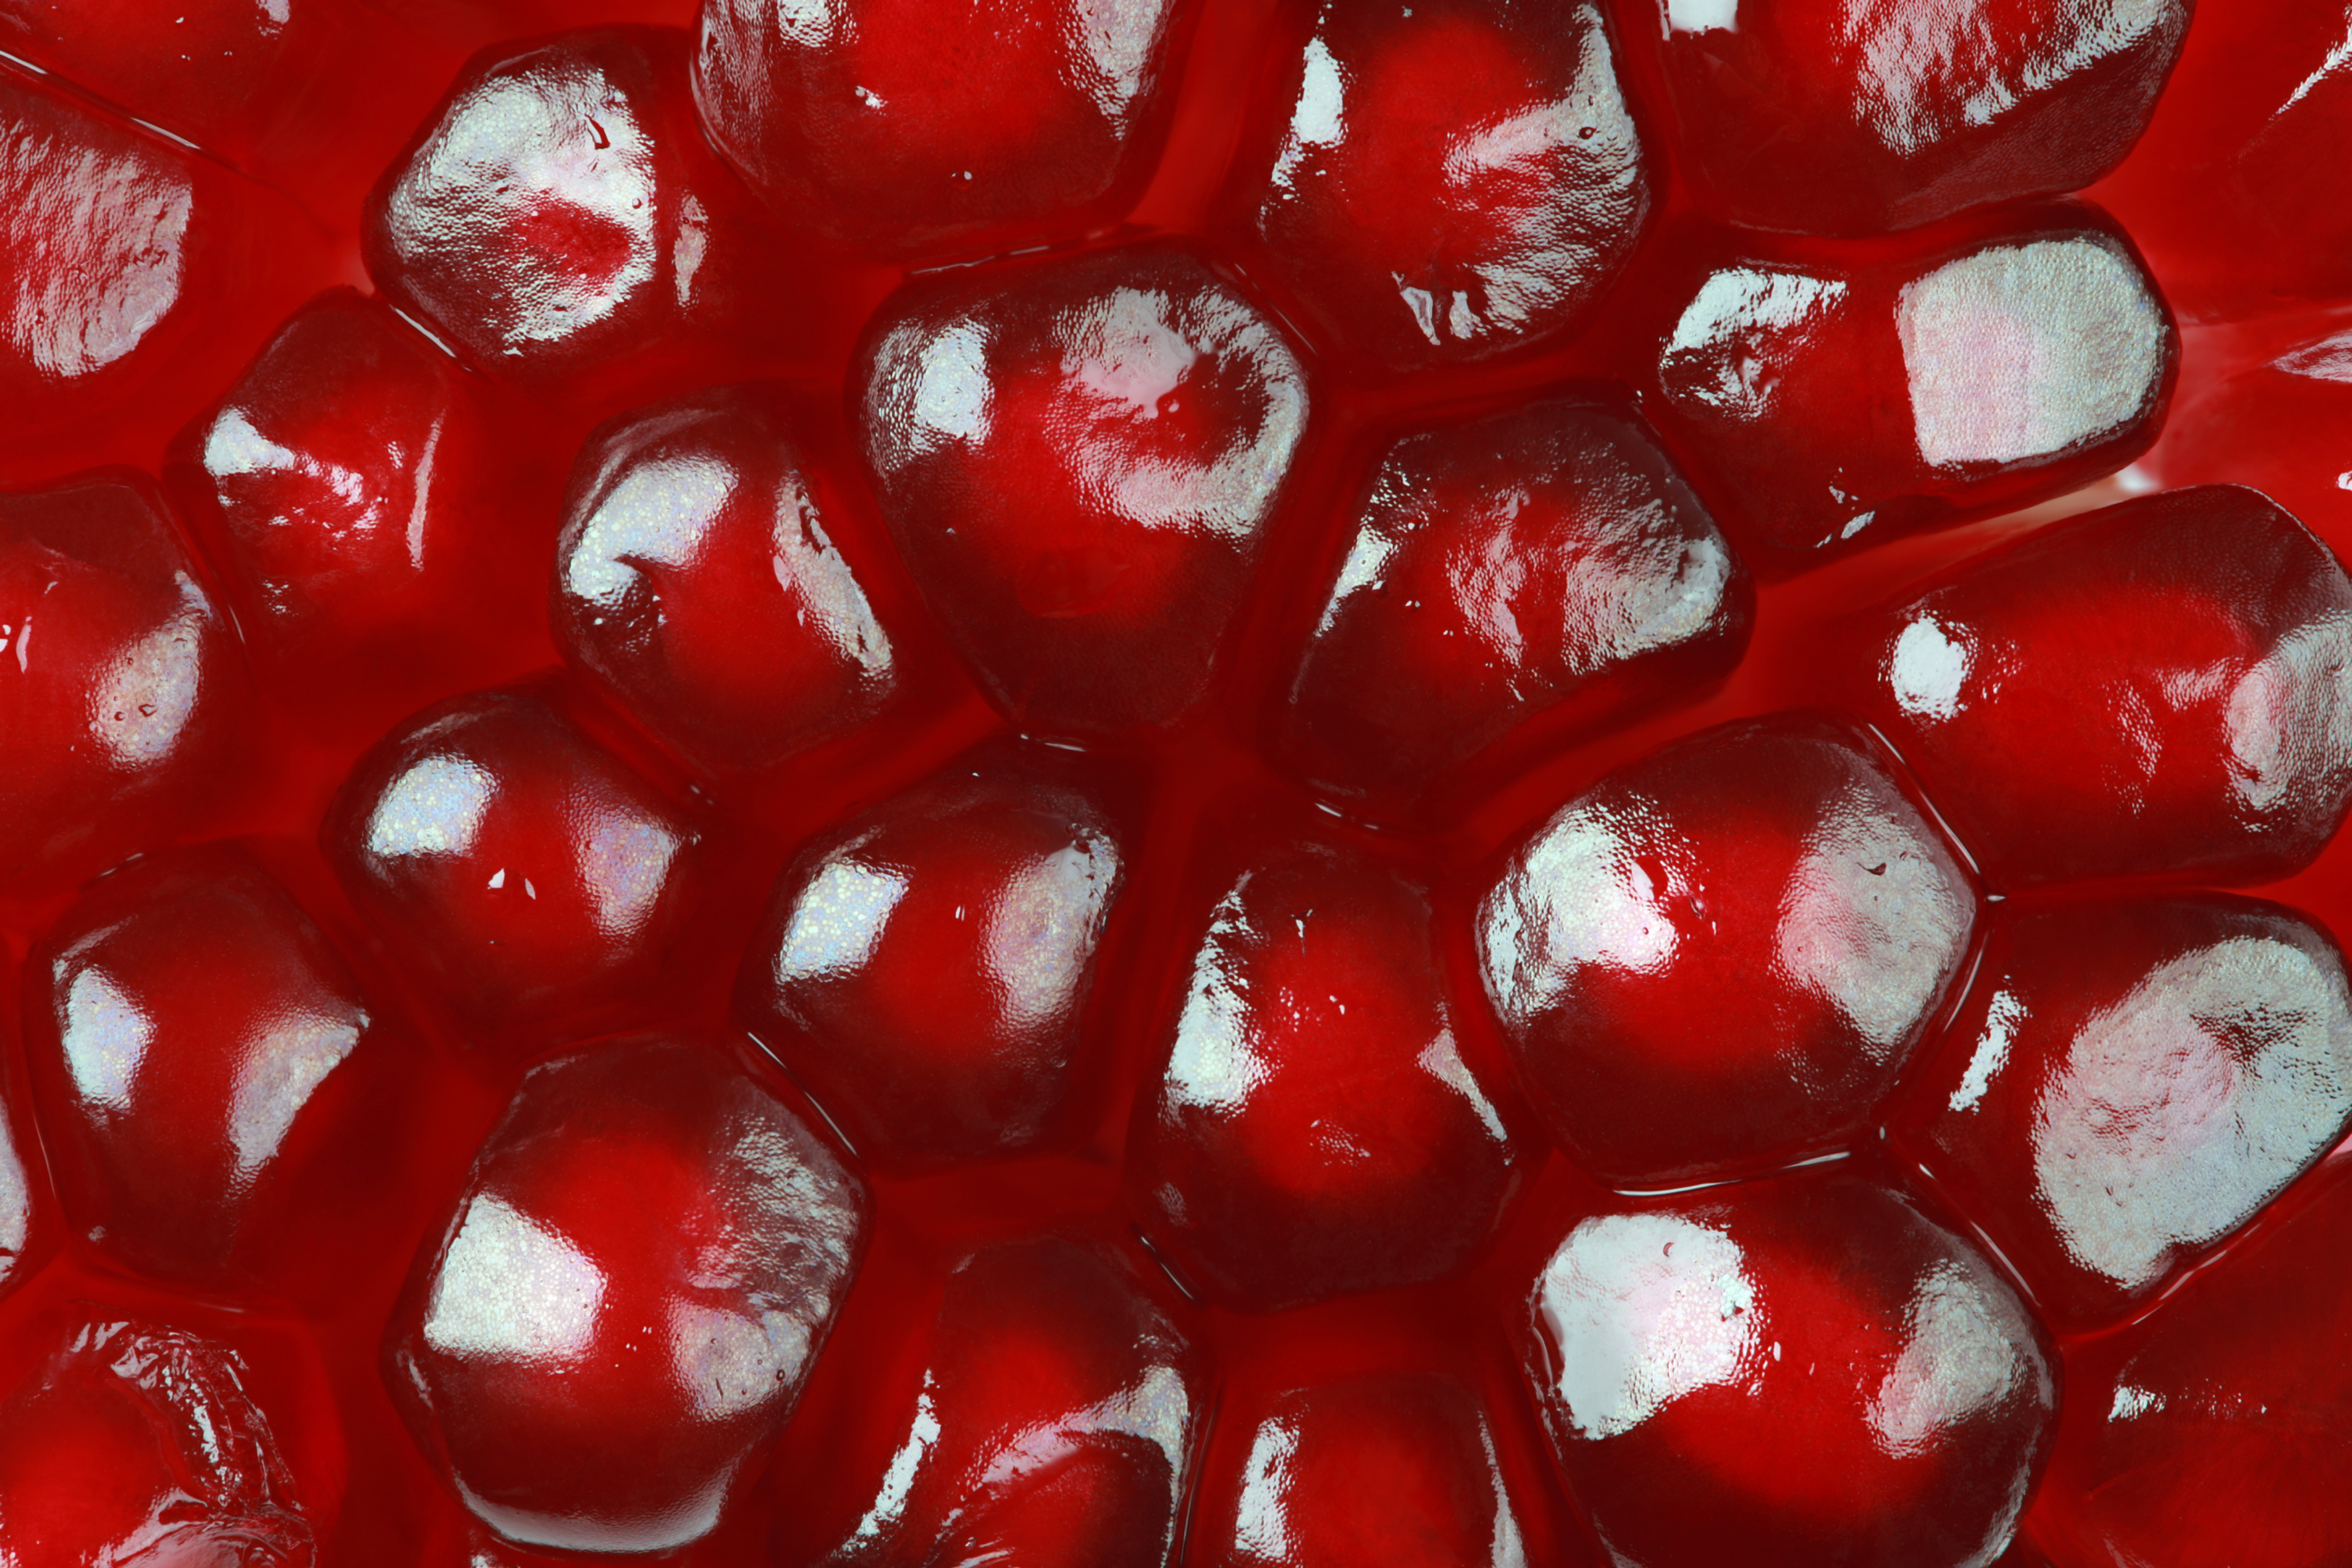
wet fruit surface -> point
(1177, 782)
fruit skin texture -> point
(697, 582)
(561, 212)
(901, 128)
(1316, 1129)
(1788, 1372)
(1720, 957)
(128, 698)
(625, 1302)
(205, 1072)
(926, 969)
(2207, 1432)
(1832, 397)
(1810, 115)
(139, 1442)
(526, 874)
(1455, 179)
(2128, 1082)
(2155, 688)
(1396, 1467)
(1532, 573)
(1056, 1421)
(1080, 460)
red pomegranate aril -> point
(2157, 689)
(699, 580)
(1055, 1423)
(524, 873)
(625, 1302)
(1079, 460)
(1831, 397)
(561, 219)
(122, 695)
(1719, 957)
(2128, 1082)
(2204, 1432)
(899, 129)
(2266, 413)
(110, 245)
(1393, 1469)
(1316, 1127)
(139, 1442)
(926, 970)
(1523, 577)
(351, 479)
(1833, 118)
(1789, 1372)
(205, 1074)
(1449, 180)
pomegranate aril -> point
(1720, 956)
(2159, 687)
(109, 243)
(352, 482)
(1521, 577)
(1317, 1128)
(559, 218)
(1393, 1468)
(624, 1304)
(1448, 180)
(900, 128)
(1787, 1372)
(120, 718)
(1054, 1425)
(2204, 1432)
(925, 971)
(526, 874)
(699, 580)
(1835, 119)
(1080, 460)
(1832, 397)
(2127, 1083)
(138, 1443)
(194, 1047)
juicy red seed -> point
(198, 1055)
(343, 474)
(136, 1441)
(1316, 1129)
(1821, 118)
(625, 1302)
(1533, 574)
(1452, 179)
(698, 581)
(1396, 1467)
(926, 969)
(558, 213)
(1835, 398)
(2151, 689)
(2129, 1081)
(526, 873)
(1788, 1373)
(1080, 460)
(900, 127)
(1054, 1425)
(126, 695)
(1721, 956)
(112, 242)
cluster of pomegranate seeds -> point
(1185, 783)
